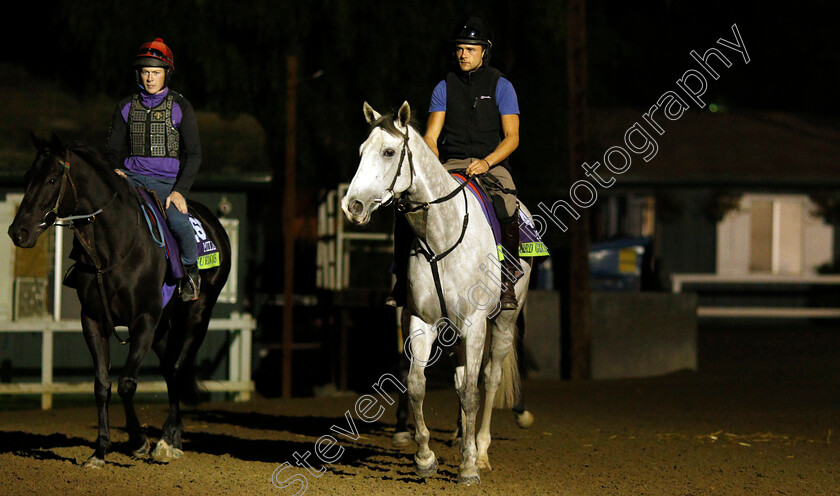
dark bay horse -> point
(118, 280)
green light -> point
(713, 107)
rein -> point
(404, 205)
(68, 221)
(87, 243)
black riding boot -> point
(511, 269)
(403, 238)
(190, 283)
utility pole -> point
(579, 292)
(289, 231)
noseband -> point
(389, 193)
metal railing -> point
(333, 258)
(241, 326)
(679, 280)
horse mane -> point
(93, 157)
(386, 122)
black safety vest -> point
(151, 130)
(473, 125)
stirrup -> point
(190, 283)
(508, 298)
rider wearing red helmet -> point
(154, 142)
(154, 54)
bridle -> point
(390, 197)
(51, 218)
(405, 205)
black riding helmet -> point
(474, 32)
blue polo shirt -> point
(505, 98)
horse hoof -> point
(94, 462)
(469, 480)
(426, 471)
(400, 439)
(483, 464)
(142, 451)
(165, 453)
(524, 419)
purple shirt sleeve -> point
(125, 110)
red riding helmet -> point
(155, 54)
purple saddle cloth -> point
(530, 243)
(160, 231)
(486, 206)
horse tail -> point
(509, 390)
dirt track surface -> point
(679, 435)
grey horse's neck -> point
(440, 226)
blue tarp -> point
(617, 265)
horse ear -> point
(40, 145)
(370, 114)
(56, 146)
(404, 115)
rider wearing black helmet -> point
(473, 125)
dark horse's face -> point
(40, 205)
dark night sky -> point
(232, 59)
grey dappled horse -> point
(454, 281)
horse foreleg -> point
(100, 351)
(169, 446)
(500, 347)
(142, 335)
(466, 383)
(184, 340)
(421, 341)
(459, 428)
(492, 377)
(164, 451)
(401, 435)
(524, 418)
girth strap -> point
(457, 352)
(403, 204)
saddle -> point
(155, 215)
(530, 242)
